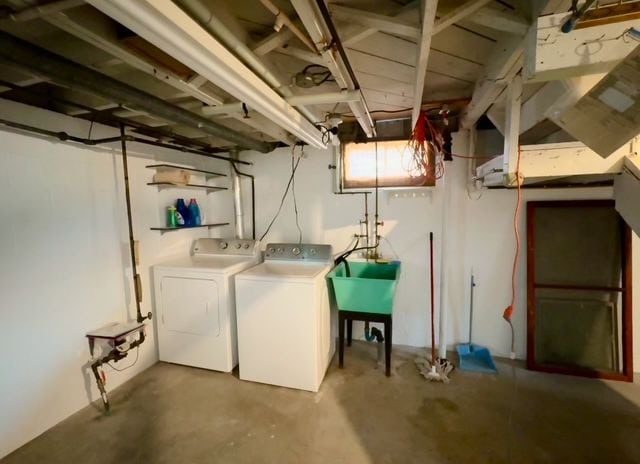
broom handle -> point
(473, 284)
(433, 312)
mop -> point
(436, 369)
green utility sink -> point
(367, 288)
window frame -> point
(391, 183)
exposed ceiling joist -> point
(428, 18)
(459, 13)
(38, 11)
(91, 27)
(354, 33)
(273, 41)
(21, 54)
(169, 28)
(383, 23)
(304, 55)
(501, 67)
(500, 20)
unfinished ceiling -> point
(283, 65)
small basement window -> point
(394, 161)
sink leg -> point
(341, 322)
(387, 346)
(349, 331)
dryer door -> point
(190, 305)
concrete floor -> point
(176, 414)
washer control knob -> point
(280, 250)
(296, 251)
(246, 246)
(272, 250)
(224, 245)
(313, 251)
(238, 246)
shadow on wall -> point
(517, 416)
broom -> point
(435, 369)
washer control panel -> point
(223, 246)
(298, 252)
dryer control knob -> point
(296, 251)
(238, 245)
(246, 246)
(224, 245)
(272, 250)
(280, 250)
(313, 251)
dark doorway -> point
(579, 289)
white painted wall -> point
(64, 263)
(481, 237)
(64, 256)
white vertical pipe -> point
(444, 266)
(237, 200)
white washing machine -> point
(195, 303)
(286, 328)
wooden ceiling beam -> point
(354, 33)
(503, 64)
(429, 8)
(273, 41)
(500, 20)
(459, 13)
(383, 23)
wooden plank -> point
(512, 130)
(376, 97)
(504, 20)
(399, 50)
(387, 84)
(455, 15)
(551, 54)
(351, 33)
(429, 8)
(504, 63)
(540, 162)
(273, 41)
(379, 22)
(363, 62)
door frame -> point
(626, 290)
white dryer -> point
(286, 328)
(195, 303)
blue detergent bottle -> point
(194, 209)
(184, 212)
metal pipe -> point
(39, 61)
(237, 199)
(287, 22)
(64, 137)
(34, 12)
(212, 24)
(137, 287)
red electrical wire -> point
(508, 312)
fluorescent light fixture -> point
(169, 28)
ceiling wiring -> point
(286, 191)
(293, 190)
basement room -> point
(320, 231)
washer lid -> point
(209, 263)
(285, 270)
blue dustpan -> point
(476, 358)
